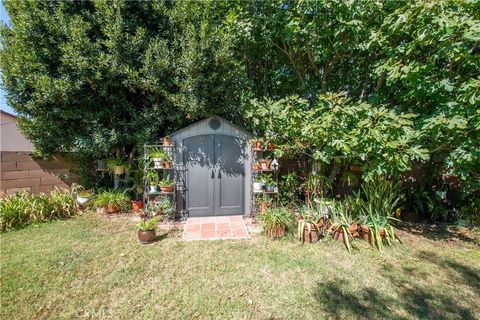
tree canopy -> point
(382, 82)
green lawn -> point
(93, 267)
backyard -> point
(92, 266)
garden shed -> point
(216, 157)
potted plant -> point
(117, 166)
(275, 221)
(163, 205)
(264, 203)
(269, 183)
(166, 185)
(308, 229)
(157, 155)
(146, 230)
(258, 186)
(375, 204)
(256, 166)
(271, 146)
(167, 161)
(342, 227)
(167, 141)
(137, 187)
(111, 201)
(257, 144)
(153, 178)
(265, 164)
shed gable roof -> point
(209, 126)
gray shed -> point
(217, 159)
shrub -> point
(23, 208)
(112, 197)
(276, 219)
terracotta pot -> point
(167, 164)
(311, 236)
(167, 141)
(119, 170)
(367, 236)
(256, 166)
(276, 233)
(265, 164)
(257, 145)
(264, 206)
(338, 235)
(146, 237)
(271, 146)
(111, 208)
(166, 189)
(137, 205)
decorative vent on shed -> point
(214, 124)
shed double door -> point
(215, 175)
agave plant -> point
(341, 222)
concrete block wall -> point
(19, 171)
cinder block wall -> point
(19, 171)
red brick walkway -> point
(215, 228)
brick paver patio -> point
(215, 228)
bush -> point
(23, 208)
(112, 197)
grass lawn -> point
(94, 267)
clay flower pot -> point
(166, 189)
(111, 208)
(311, 236)
(265, 164)
(137, 205)
(146, 237)
(264, 206)
(367, 235)
(271, 146)
(276, 232)
(256, 166)
(257, 145)
(167, 141)
(167, 164)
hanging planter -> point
(116, 166)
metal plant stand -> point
(258, 153)
(176, 173)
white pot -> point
(157, 163)
(153, 189)
(83, 200)
(119, 170)
(258, 186)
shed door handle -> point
(213, 174)
(219, 175)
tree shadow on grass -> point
(438, 232)
(410, 298)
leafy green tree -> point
(100, 76)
